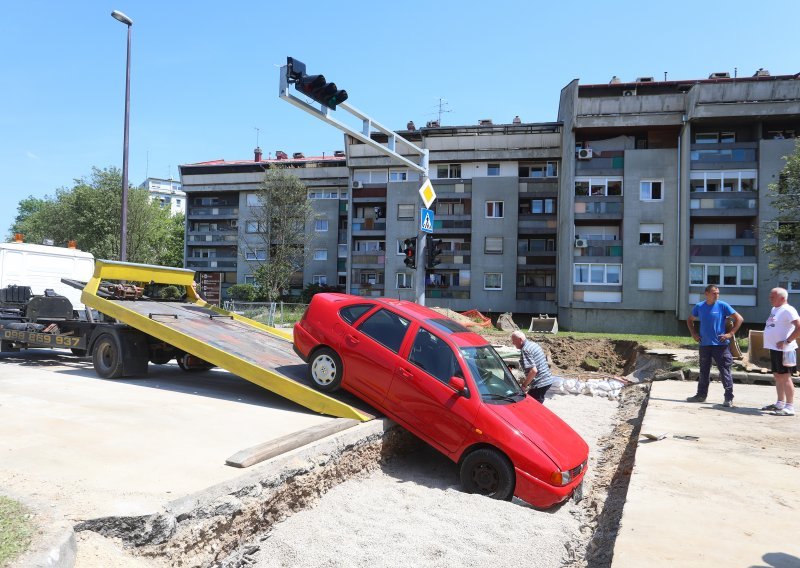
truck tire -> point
(488, 472)
(107, 357)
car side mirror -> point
(459, 385)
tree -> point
(781, 236)
(242, 292)
(90, 212)
(282, 215)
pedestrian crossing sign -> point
(426, 220)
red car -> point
(446, 385)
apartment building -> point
(167, 193)
(615, 217)
(495, 212)
(223, 240)
(664, 191)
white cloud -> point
(32, 156)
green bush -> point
(242, 292)
(170, 293)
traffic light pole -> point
(368, 125)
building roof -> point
(223, 162)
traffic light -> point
(433, 248)
(410, 251)
(313, 86)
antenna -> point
(258, 131)
(442, 103)
(665, 76)
(147, 166)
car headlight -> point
(562, 478)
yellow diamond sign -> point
(427, 194)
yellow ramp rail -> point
(256, 352)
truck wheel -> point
(325, 369)
(489, 473)
(107, 358)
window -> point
(405, 280)
(323, 194)
(706, 138)
(370, 246)
(598, 186)
(722, 274)
(537, 278)
(650, 191)
(651, 234)
(434, 356)
(370, 176)
(543, 206)
(320, 279)
(249, 279)
(444, 171)
(405, 211)
(493, 245)
(254, 227)
(320, 254)
(449, 207)
(538, 170)
(252, 200)
(651, 279)
(493, 170)
(728, 180)
(385, 327)
(352, 313)
(258, 254)
(493, 281)
(494, 209)
(341, 251)
(371, 278)
(398, 175)
(598, 274)
(320, 225)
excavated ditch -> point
(207, 529)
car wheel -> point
(325, 369)
(107, 358)
(489, 473)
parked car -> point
(447, 386)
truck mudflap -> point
(258, 353)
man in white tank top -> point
(780, 335)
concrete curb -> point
(740, 377)
(54, 547)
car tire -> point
(107, 357)
(325, 369)
(488, 472)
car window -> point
(385, 327)
(433, 355)
(352, 313)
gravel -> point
(411, 512)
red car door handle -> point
(405, 374)
(351, 339)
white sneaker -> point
(783, 412)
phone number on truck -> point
(44, 339)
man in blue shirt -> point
(714, 342)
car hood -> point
(545, 430)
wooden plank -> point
(267, 450)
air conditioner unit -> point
(629, 93)
(585, 154)
(357, 185)
(581, 243)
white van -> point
(42, 267)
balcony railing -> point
(598, 207)
(722, 203)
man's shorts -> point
(776, 358)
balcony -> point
(212, 212)
(601, 208)
(369, 226)
(710, 156)
(723, 206)
(227, 263)
(368, 259)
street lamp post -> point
(123, 252)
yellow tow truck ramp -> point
(258, 353)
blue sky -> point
(205, 74)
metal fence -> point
(269, 313)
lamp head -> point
(119, 16)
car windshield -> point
(495, 382)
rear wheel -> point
(325, 369)
(488, 472)
(107, 357)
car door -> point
(370, 353)
(421, 398)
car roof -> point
(460, 335)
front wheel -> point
(107, 358)
(325, 369)
(489, 473)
